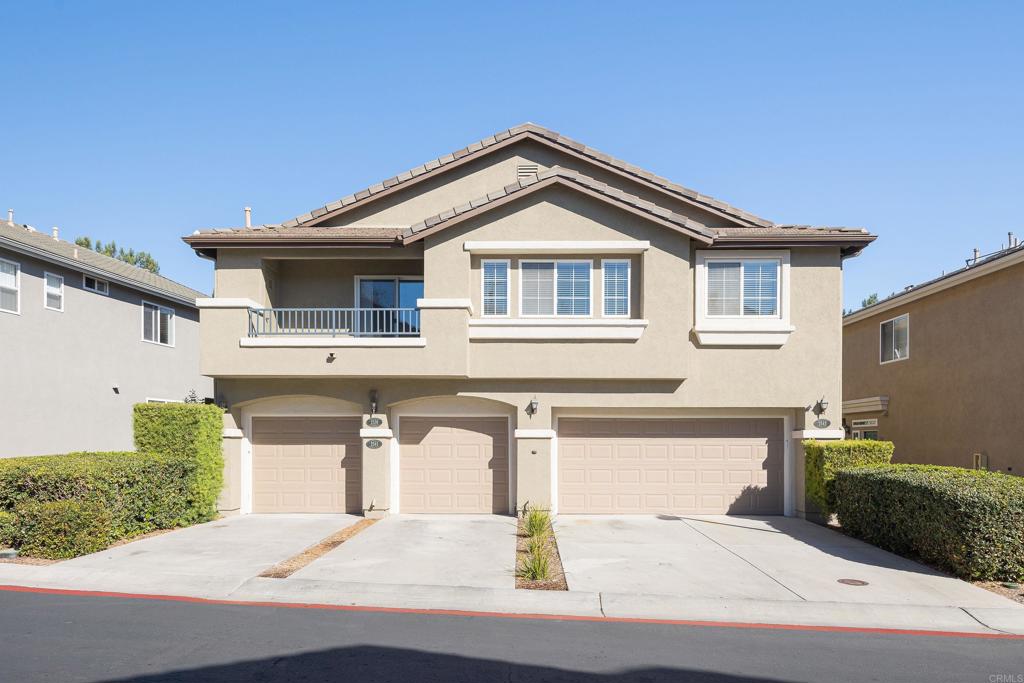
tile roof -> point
(566, 175)
(546, 135)
(45, 247)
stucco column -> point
(378, 441)
(230, 500)
(535, 450)
(804, 508)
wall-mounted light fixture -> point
(820, 407)
(532, 407)
(331, 357)
(373, 401)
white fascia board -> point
(744, 337)
(535, 434)
(557, 247)
(331, 342)
(820, 434)
(227, 303)
(375, 433)
(230, 433)
(593, 330)
(445, 303)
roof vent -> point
(248, 216)
(10, 216)
(56, 233)
(524, 171)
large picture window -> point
(555, 288)
(743, 288)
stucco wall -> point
(59, 369)
(958, 392)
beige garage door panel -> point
(684, 466)
(306, 464)
(457, 464)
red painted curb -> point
(506, 615)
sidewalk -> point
(500, 601)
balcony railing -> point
(334, 322)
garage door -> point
(453, 464)
(691, 466)
(306, 464)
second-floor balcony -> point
(334, 322)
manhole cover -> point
(852, 582)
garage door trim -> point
(396, 464)
(788, 465)
(246, 459)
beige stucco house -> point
(938, 369)
(525, 321)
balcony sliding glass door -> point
(387, 306)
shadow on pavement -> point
(371, 664)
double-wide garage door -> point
(678, 466)
(306, 464)
(453, 464)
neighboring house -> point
(84, 337)
(938, 369)
(525, 321)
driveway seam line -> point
(991, 628)
(733, 552)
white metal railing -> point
(334, 322)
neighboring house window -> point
(53, 292)
(616, 288)
(157, 324)
(745, 288)
(10, 287)
(870, 435)
(164, 400)
(94, 284)
(495, 287)
(895, 339)
(555, 288)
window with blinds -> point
(495, 287)
(895, 339)
(157, 324)
(746, 288)
(54, 292)
(558, 288)
(616, 288)
(10, 287)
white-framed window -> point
(894, 339)
(615, 279)
(743, 288)
(494, 283)
(157, 324)
(742, 297)
(53, 292)
(10, 287)
(94, 284)
(164, 400)
(554, 288)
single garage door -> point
(682, 466)
(306, 464)
(453, 464)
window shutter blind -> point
(495, 275)
(573, 288)
(616, 287)
(760, 287)
(723, 288)
(538, 286)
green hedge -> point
(825, 458)
(969, 522)
(192, 430)
(61, 506)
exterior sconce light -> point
(820, 407)
(331, 357)
(373, 401)
(531, 407)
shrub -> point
(139, 492)
(60, 529)
(825, 458)
(6, 528)
(535, 566)
(189, 430)
(537, 523)
(969, 522)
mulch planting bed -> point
(556, 582)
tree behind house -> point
(870, 301)
(142, 259)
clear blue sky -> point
(141, 122)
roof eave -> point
(850, 245)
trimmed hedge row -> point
(969, 522)
(61, 506)
(825, 458)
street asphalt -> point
(57, 638)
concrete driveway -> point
(426, 550)
(756, 558)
